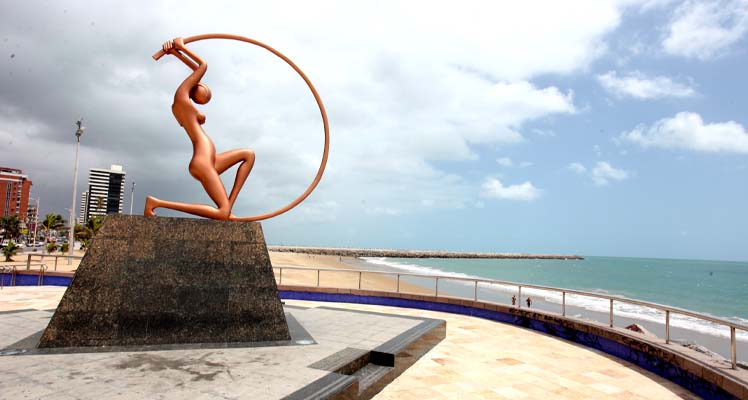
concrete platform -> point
(478, 359)
(339, 354)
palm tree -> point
(51, 247)
(99, 203)
(11, 226)
(52, 222)
(94, 224)
(64, 248)
(10, 250)
(82, 232)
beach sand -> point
(344, 280)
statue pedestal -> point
(150, 281)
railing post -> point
(398, 283)
(611, 313)
(56, 258)
(359, 280)
(280, 278)
(563, 304)
(519, 298)
(733, 348)
(317, 278)
(28, 262)
(436, 287)
(667, 326)
(475, 297)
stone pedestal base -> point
(148, 281)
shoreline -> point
(678, 335)
(394, 253)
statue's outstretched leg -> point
(230, 158)
(213, 186)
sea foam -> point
(589, 303)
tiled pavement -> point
(479, 359)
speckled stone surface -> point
(162, 280)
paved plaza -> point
(479, 359)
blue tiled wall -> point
(649, 362)
(33, 280)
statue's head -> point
(200, 94)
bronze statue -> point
(206, 165)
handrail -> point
(8, 269)
(42, 269)
(667, 309)
(42, 255)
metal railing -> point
(8, 269)
(42, 256)
(668, 310)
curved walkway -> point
(479, 359)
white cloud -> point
(492, 187)
(688, 131)
(508, 162)
(638, 85)
(577, 167)
(505, 161)
(399, 99)
(705, 29)
(603, 173)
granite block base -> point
(152, 281)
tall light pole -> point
(36, 221)
(132, 195)
(71, 240)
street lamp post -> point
(132, 196)
(71, 241)
(36, 221)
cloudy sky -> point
(589, 127)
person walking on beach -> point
(514, 299)
(529, 302)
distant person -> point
(529, 302)
(514, 299)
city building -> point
(32, 217)
(106, 189)
(83, 211)
(14, 192)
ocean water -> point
(718, 288)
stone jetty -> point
(393, 253)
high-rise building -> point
(106, 189)
(32, 215)
(14, 192)
(83, 211)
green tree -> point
(52, 222)
(99, 203)
(82, 232)
(10, 250)
(11, 226)
(64, 248)
(94, 224)
(51, 247)
(85, 243)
